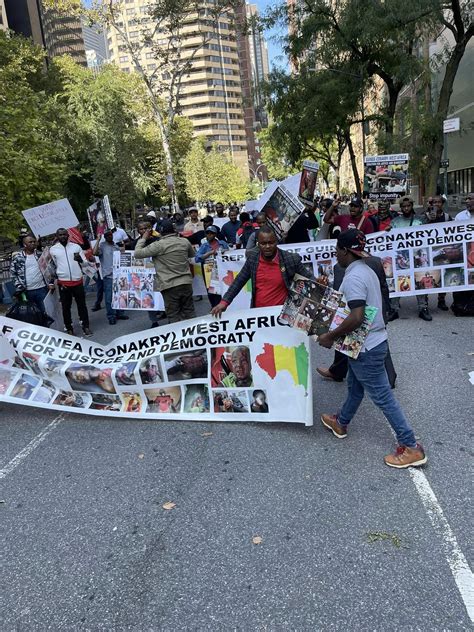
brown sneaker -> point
(327, 375)
(330, 422)
(406, 457)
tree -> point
(273, 154)
(31, 154)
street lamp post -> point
(255, 174)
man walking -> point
(230, 228)
(271, 271)
(194, 224)
(105, 251)
(68, 258)
(355, 219)
(171, 256)
(361, 288)
(26, 274)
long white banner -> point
(244, 367)
(419, 260)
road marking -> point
(463, 575)
(27, 450)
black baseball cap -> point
(166, 227)
(356, 201)
(353, 240)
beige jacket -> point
(171, 256)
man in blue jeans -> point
(105, 251)
(361, 288)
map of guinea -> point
(276, 358)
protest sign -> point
(47, 218)
(424, 259)
(133, 281)
(282, 210)
(100, 217)
(308, 181)
(244, 367)
(386, 177)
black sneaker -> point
(96, 308)
(425, 315)
(442, 306)
(393, 315)
(122, 317)
(112, 321)
(86, 331)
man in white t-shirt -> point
(468, 212)
(26, 273)
(361, 288)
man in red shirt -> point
(355, 219)
(271, 271)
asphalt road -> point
(347, 543)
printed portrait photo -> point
(164, 400)
(125, 375)
(25, 386)
(150, 371)
(146, 283)
(186, 365)
(470, 254)
(421, 258)
(258, 401)
(45, 393)
(403, 283)
(387, 263)
(101, 401)
(402, 260)
(470, 277)
(196, 398)
(134, 300)
(391, 284)
(76, 400)
(92, 379)
(147, 300)
(453, 277)
(231, 367)
(444, 255)
(325, 272)
(230, 401)
(6, 378)
(132, 402)
(427, 280)
(32, 362)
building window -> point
(123, 59)
(130, 11)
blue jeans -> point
(37, 297)
(111, 313)
(368, 373)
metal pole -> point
(445, 156)
(362, 111)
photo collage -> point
(133, 283)
(216, 380)
(430, 269)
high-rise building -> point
(24, 17)
(211, 91)
(260, 64)
(95, 44)
(3, 17)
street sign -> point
(451, 125)
(444, 164)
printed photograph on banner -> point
(386, 177)
(24, 387)
(453, 277)
(75, 400)
(45, 393)
(470, 254)
(150, 371)
(164, 400)
(387, 263)
(445, 255)
(6, 378)
(258, 401)
(308, 181)
(421, 258)
(230, 401)
(403, 283)
(427, 280)
(134, 300)
(196, 398)
(100, 401)
(186, 366)
(325, 272)
(402, 260)
(97, 219)
(125, 374)
(132, 402)
(52, 369)
(470, 277)
(391, 284)
(92, 379)
(32, 362)
(18, 362)
(231, 367)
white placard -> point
(451, 125)
(47, 218)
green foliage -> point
(33, 162)
(274, 155)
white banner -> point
(133, 281)
(244, 367)
(420, 260)
(47, 218)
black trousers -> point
(340, 366)
(179, 304)
(76, 292)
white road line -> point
(27, 450)
(460, 569)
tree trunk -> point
(437, 141)
(393, 93)
(166, 151)
(352, 155)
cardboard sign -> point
(47, 218)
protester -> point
(67, 258)
(143, 226)
(230, 228)
(194, 224)
(355, 219)
(361, 288)
(298, 233)
(119, 236)
(246, 230)
(405, 220)
(382, 219)
(260, 220)
(468, 212)
(171, 256)
(271, 271)
(178, 222)
(26, 273)
(463, 302)
(220, 218)
(196, 239)
(105, 251)
(434, 215)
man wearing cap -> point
(355, 219)
(361, 289)
(173, 278)
(194, 224)
(105, 251)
